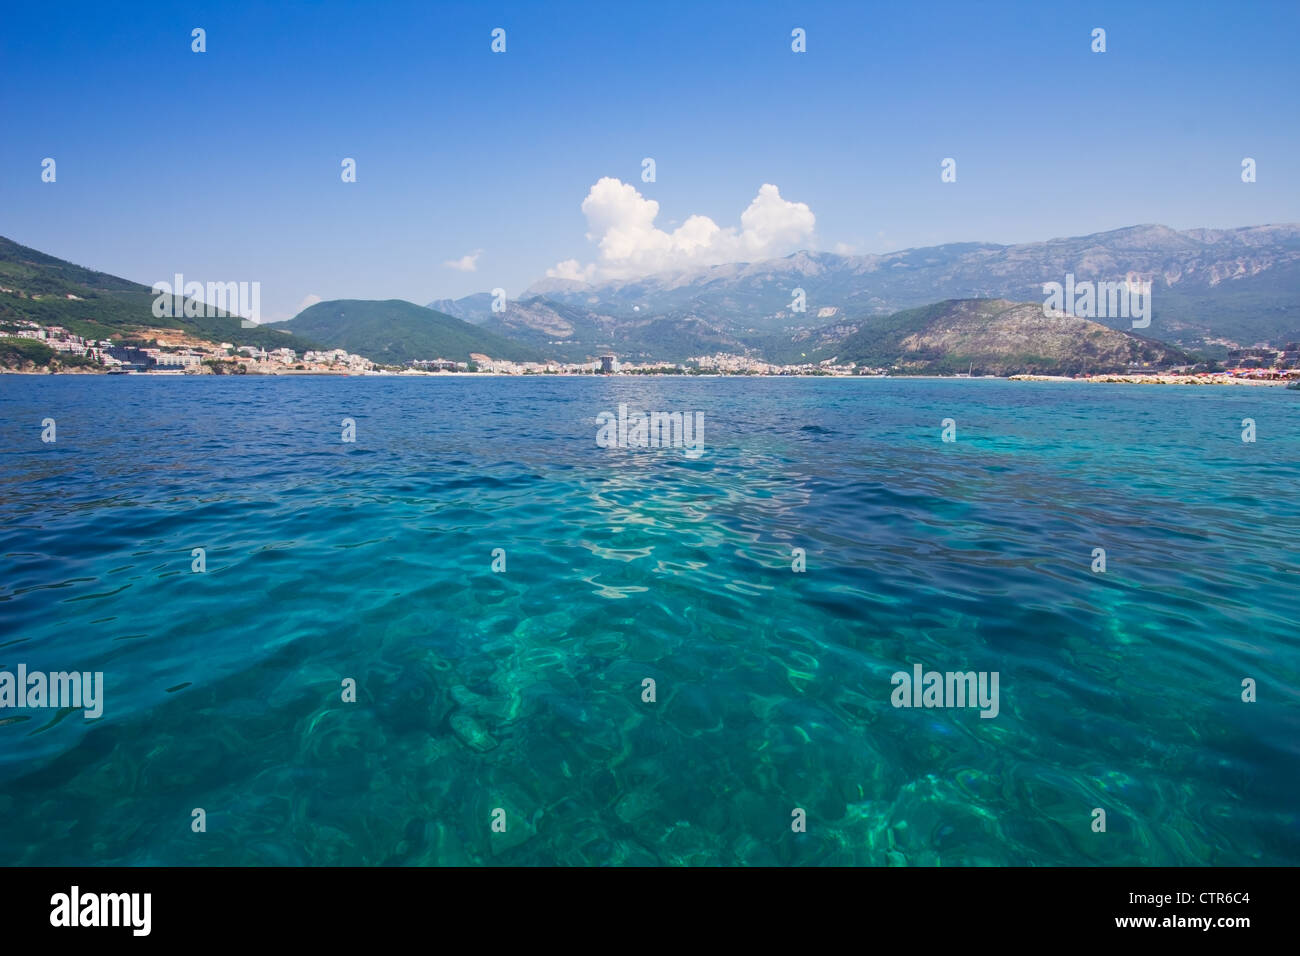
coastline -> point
(1157, 379)
(1105, 379)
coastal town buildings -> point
(182, 356)
(185, 355)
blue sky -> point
(225, 165)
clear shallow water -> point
(372, 560)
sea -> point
(433, 622)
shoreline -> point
(1105, 379)
(1157, 379)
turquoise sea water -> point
(523, 690)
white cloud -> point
(307, 302)
(571, 269)
(466, 263)
(622, 224)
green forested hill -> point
(35, 286)
(395, 331)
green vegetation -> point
(36, 287)
(1259, 308)
(16, 353)
(395, 331)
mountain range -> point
(1212, 290)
